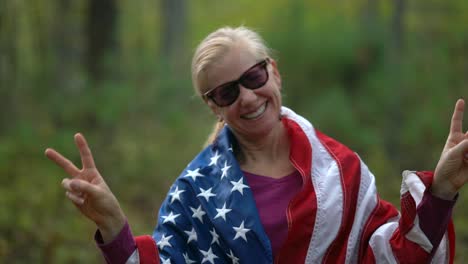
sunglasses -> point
(253, 78)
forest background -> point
(380, 76)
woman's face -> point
(255, 112)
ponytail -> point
(214, 133)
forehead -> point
(230, 67)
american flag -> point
(209, 215)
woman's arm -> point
(89, 192)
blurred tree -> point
(100, 33)
(395, 62)
(398, 25)
(174, 30)
(68, 46)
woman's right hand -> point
(89, 192)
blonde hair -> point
(216, 45)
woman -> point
(270, 188)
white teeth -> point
(257, 113)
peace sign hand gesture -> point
(451, 172)
(89, 192)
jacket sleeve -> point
(422, 233)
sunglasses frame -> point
(237, 82)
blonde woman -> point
(269, 187)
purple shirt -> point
(272, 197)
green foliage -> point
(340, 68)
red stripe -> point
(406, 251)
(303, 207)
(350, 173)
(408, 213)
(451, 238)
(379, 216)
(147, 250)
(368, 258)
(426, 177)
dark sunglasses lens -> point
(226, 95)
(255, 77)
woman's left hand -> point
(451, 172)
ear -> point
(276, 73)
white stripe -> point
(328, 190)
(417, 236)
(442, 254)
(134, 258)
(379, 242)
(366, 203)
(412, 183)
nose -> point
(246, 96)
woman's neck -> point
(267, 154)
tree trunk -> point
(398, 28)
(100, 29)
(174, 26)
(396, 116)
(67, 45)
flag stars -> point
(164, 242)
(215, 236)
(233, 258)
(194, 174)
(239, 186)
(206, 194)
(192, 235)
(225, 170)
(187, 259)
(222, 212)
(170, 218)
(175, 195)
(198, 213)
(165, 261)
(241, 231)
(208, 256)
(214, 159)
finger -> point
(82, 187)
(460, 150)
(66, 184)
(63, 162)
(457, 117)
(85, 152)
(76, 199)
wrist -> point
(441, 191)
(112, 227)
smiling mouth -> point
(257, 113)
